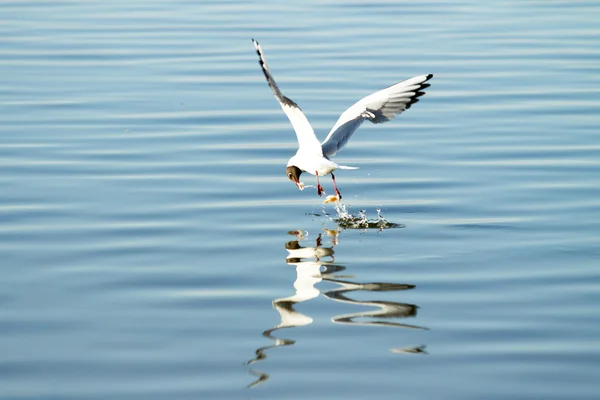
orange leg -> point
(335, 187)
(319, 187)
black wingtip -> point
(412, 101)
(256, 45)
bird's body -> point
(315, 164)
(312, 156)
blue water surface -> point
(151, 246)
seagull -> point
(314, 157)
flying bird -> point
(314, 157)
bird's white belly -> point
(322, 167)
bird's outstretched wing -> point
(307, 141)
(378, 107)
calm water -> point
(152, 247)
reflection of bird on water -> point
(384, 309)
(411, 350)
(308, 262)
(314, 265)
(297, 252)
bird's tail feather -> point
(346, 167)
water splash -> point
(346, 220)
(302, 186)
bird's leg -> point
(335, 187)
(319, 187)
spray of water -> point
(346, 220)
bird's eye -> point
(290, 175)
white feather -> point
(378, 107)
(312, 156)
(307, 141)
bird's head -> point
(293, 173)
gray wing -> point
(378, 107)
(307, 141)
